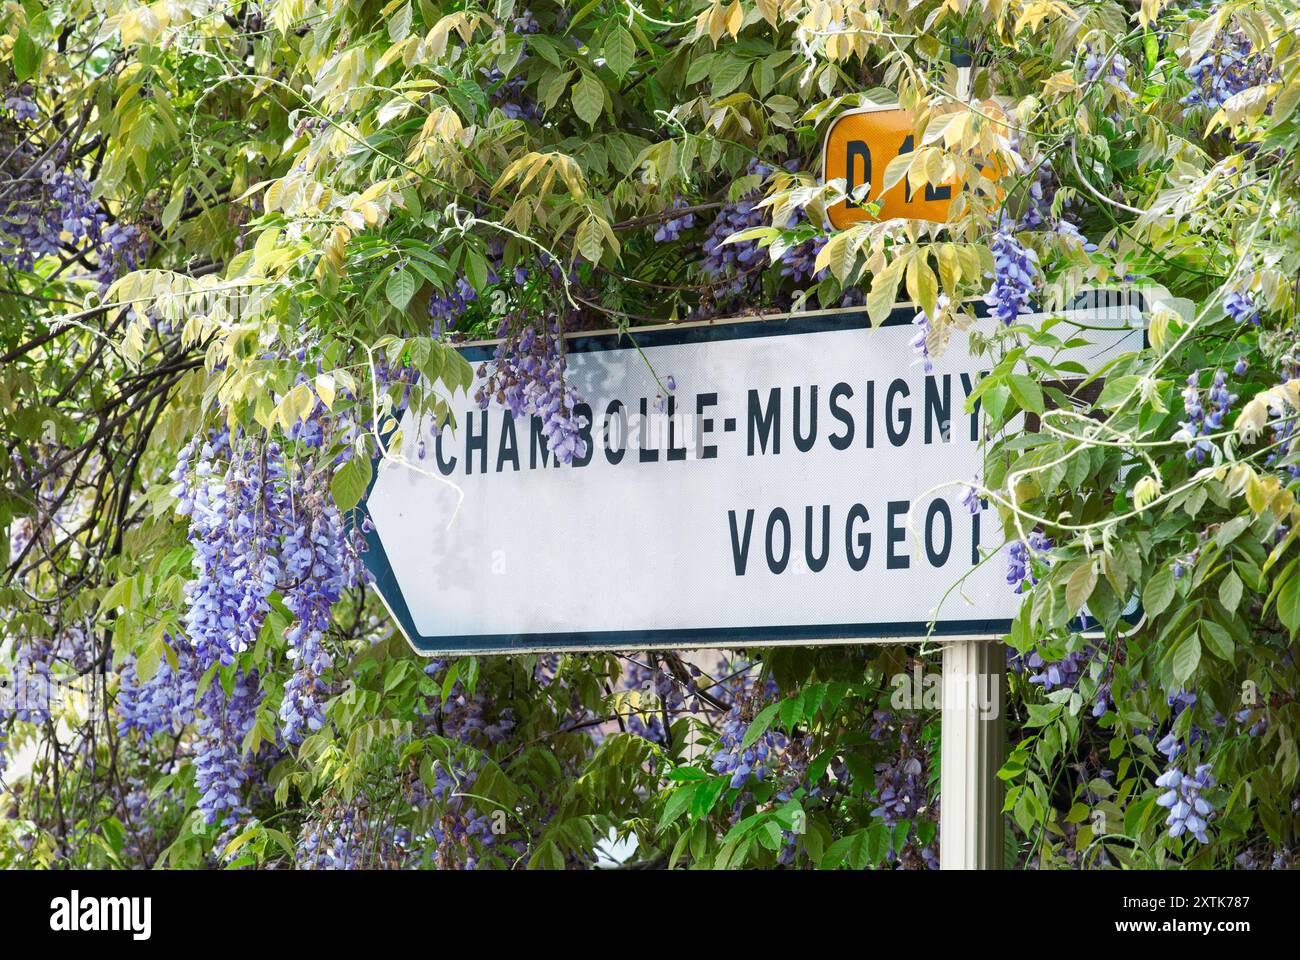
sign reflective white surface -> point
(768, 502)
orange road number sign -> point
(859, 146)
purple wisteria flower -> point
(1230, 66)
(1015, 272)
(22, 106)
(162, 704)
(1189, 811)
(1020, 563)
(260, 521)
(318, 568)
(1041, 193)
(219, 770)
(1205, 415)
(1241, 308)
(447, 307)
(920, 343)
(760, 758)
(799, 263)
(672, 229)
(1109, 68)
(527, 376)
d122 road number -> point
(859, 146)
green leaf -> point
(753, 233)
(146, 665)
(1218, 640)
(884, 291)
(1080, 586)
(700, 67)
(1288, 603)
(836, 852)
(620, 51)
(706, 797)
(1116, 390)
(687, 774)
(1027, 392)
(922, 284)
(1231, 530)
(1230, 591)
(119, 594)
(588, 98)
(546, 48)
(1186, 658)
(476, 269)
(552, 86)
(590, 240)
(728, 75)
(896, 170)
(171, 213)
(457, 371)
(1159, 593)
(995, 402)
(877, 841)
(400, 288)
(838, 253)
(350, 482)
(758, 726)
(547, 857)
(677, 803)
(27, 57)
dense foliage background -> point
(237, 238)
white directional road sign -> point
(791, 489)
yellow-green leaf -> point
(588, 98)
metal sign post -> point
(972, 743)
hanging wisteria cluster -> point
(1026, 559)
(1015, 274)
(1188, 809)
(1040, 195)
(733, 268)
(260, 523)
(220, 769)
(901, 792)
(446, 308)
(236, 510)
(526, 375)
(1109, 68)
(731, 265)
(165, 702)
(345, 838)
(671, 229)
(1229, 67)
(319, 567)
(49, 207)
(1206, 412)
(747, 691)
